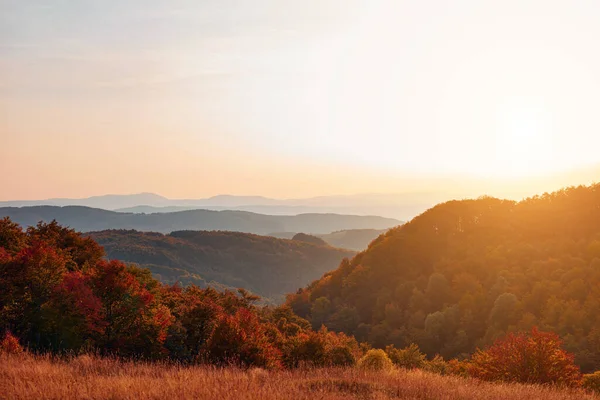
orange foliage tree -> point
(536, 357)
(241, 339)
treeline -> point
(465, 273)
(60, 295)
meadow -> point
(26, 376)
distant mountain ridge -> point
(106, 202)
(400, 206)
(88, 219)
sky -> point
(287, 98)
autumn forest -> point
(488, 289)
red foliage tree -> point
(536, 357)
(74, 312)
(78, 249)
(76, 290)
(134, 322)
(241, 339)
(27, 280)
(10, 344)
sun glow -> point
(490, 105)
(336, 95)
(524, 143)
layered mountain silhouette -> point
(401, 206)
(87, 219)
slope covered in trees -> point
(303, 237)
(466, 272)
(60, 295)
(264, 265)
(353, 239)
(87, 219)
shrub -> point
(534, 358)
(320, 349)
(437, 365)
(10, 344)
(592, 381)
(409, 357)
(305, 349)
(456, 367)
(375, 360)
(341, 356)
(240, 339)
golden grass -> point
(38, 377)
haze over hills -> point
(267, 266)
(107, 202)
(87, 219)
(352, 239)
(400, 206)
(398, 212)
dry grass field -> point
(85, 377)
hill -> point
(283, 235)
(264, 265)
(93, 219)
(303, 237)
(466, 272)
(353, 239)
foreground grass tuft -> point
(87, 377)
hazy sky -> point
(295, 98)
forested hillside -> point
(87, 219)
(60, 296)
(264, 265)
(353, 239)
(466, 272)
